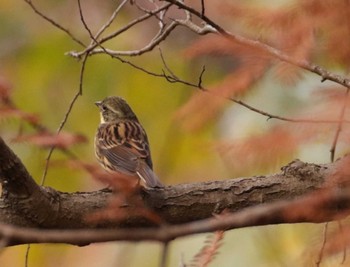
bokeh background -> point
(188, 143)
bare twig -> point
(111, 19)
(195, 28)
(138, 67)
(136, 21)
(198, 85)
(65, 118)
(161, 36)
(165, 252)
(340, 125)
(54, 23)
(324, 241)
(200, 78)
(46, 168)
(57, 25)
(172, 74)
(341, 230)
(75, 97)
(26, 258)
(83, 20)
(203, 8)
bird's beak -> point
(98, 103)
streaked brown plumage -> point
(121, 143)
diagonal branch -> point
(340, 125)
(111, 19)
(161, 36)
(65, 118)
(131, 24)
(172, 78)
(54, 23)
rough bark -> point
(24, 203)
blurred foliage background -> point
(43, 80)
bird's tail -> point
(148, 176)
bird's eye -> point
(104, 108)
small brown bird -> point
(121, 143)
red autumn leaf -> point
(237, 83)
(117, 181)
(44, 139)
(17, 113)
(259, 150)
(209, 251)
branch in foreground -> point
(317, 207)
(174, 204)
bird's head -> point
(114, 108)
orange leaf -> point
(44, 139)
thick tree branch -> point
(24, 203)
(186, 208)
(327, 205)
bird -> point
(121, 143)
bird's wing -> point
(124, 147)
(119, 158)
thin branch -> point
(161, 36)
(203, 30)
(46, 168)
(54, 23)
(93, 41)
(111, 19)
(203, 8)
(200, 79)
(83, 20)
(212, 27)
(341, 230)
(78, 93)
(173, 79)
(164, 257)
(138, 67)
(172, 74)
(324, 241)
(118, 32)
(65, 118)
(26, 258)
(340, 125)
